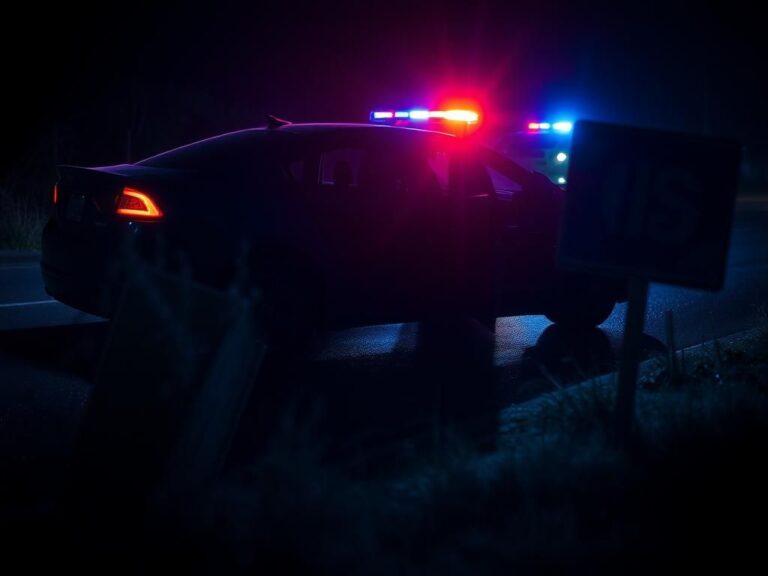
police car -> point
(347, 224)
(541, 146)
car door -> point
(382, 222)
(481, 248)
(437, 228)
(526, 224)
(352, 208)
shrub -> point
(22, 218)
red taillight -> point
(137, 204)
(56, 193)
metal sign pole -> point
(647, 205)
(630, 356)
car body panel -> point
(382, 221)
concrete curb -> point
(515, 418)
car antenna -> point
(273, 122)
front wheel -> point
(582, 314)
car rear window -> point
(220, 152)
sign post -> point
(630, 356)
(647, 206)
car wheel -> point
(582, 313)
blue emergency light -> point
(563, 126)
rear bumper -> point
(80, 268)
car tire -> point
(582, 313)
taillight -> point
(137, 204)
(56, 193)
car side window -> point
(508, 177)
(469, 177)
(380, 173)
(295, 170)
(340, 168)
(420, 174)
(439, 161)
(386, 174)
(504, 186)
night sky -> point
(184, 70)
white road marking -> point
(19, 304)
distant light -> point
(545, 125)
(561, 180)
(563, 126)
(419, 114)
(533, 126)
(382, 115)
(401, 114)
(561, 157)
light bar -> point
(419, 114)
(468, 116)
(562, 126)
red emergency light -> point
(419, 114)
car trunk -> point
(87, 197)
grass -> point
(558, 497)
(22, 218)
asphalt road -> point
(699, 315)
(49, 353)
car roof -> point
(310, 130)
(319, 128)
